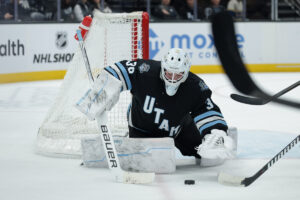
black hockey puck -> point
(189, 182)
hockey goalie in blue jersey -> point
(168, 101)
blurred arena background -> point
(37, 36)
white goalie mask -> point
(175, 67)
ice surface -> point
(263, 132)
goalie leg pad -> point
(135, 154)
(102, 97)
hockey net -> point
(111, 38)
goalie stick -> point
(259, 101)
(229, 55)
(228, 179)
(107, 139)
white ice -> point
(263, 132)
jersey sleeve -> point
(126, 72)
(206, 114)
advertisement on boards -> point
(196, 39)
(258, 42)
(51, 47)
(36, 47)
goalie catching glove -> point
(103, 95)
(216, 145)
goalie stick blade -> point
(135, 178)
(248, 100)
(229, 55)
(228, 179)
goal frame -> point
(68, 144)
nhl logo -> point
(61, 40)
(144, 68)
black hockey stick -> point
(228, 179)
(259, 101)
(226, 45)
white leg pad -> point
(135, 154)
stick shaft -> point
(109, 145)
(85, 58)
(107, 140)
(228, 179)
(249, 180)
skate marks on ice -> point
(262, 144)
(17, 97)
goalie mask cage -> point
(111, 38)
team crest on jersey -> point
(203, 86)
(144, 68)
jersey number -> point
(130, 66)
(209, 104)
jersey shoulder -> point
(196, 82)
(148, 66)
(195, 88)
(143, 67)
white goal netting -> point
(111, 38)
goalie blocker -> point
(101, 97)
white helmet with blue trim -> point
(175, 67)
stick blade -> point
(135, 177)
(248, 100)
(228, 179)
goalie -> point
(167, 101)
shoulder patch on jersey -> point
(144, 68)
(203, 86)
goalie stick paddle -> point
(107, 139)
(228, 179)
(229, 55)
(259, 101)
(113, 160)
